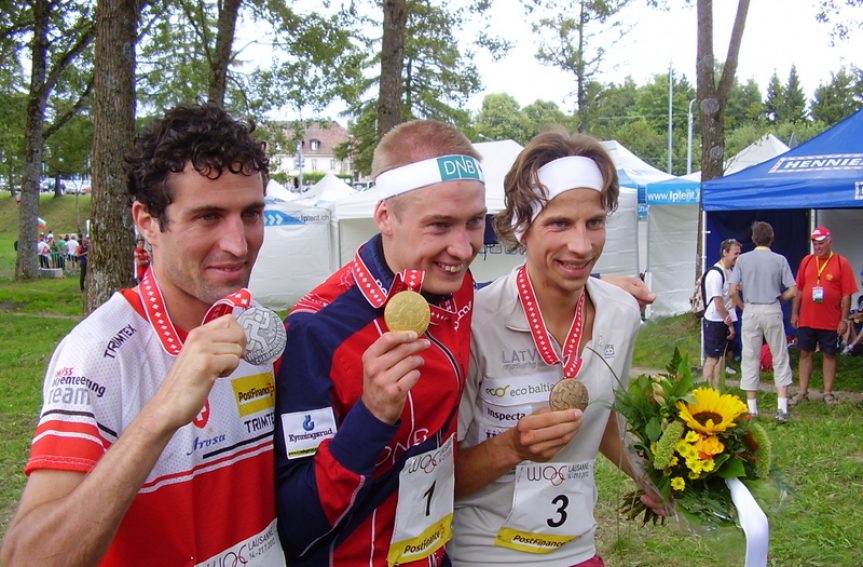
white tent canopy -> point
(277, 191)
(330, 189)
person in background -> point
(43, 248)
(154, 445)
(71, 251)
(83, 251)
(820, 311)
(141, 258)
(720, 314)
(767, 279)
(545, 324)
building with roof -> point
(316, 152)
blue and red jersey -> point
(337, 465)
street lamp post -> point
(670, 101)
(689, 139)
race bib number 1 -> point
(425, 504)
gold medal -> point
(569, 394)
(407, 311)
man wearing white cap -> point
(545, 334)
(820, 312)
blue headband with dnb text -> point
(428, 172)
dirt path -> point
(764, 385)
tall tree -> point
(392, 65)
(744, 105)
(795, 99)
(59, 33)
(713, 96)
(435, 80)
(839, 98)
(501, 118)
(113, 130)
(229, 11)
(775, 101)
(568, 32)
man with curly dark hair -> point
(154, 445)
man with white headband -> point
(366, 417)
(547, 334)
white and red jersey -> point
(209, 499)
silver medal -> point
(265, 335)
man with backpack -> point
(820, 312)
(719, 314)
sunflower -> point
(712, 412)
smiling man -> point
(366, 417)
(142, 454)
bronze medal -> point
(407, 311)
(569, 394)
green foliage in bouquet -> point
(689, 440)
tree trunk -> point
(26, 265)
(110, 266)
(392, 63)
(222, 57)
(580, 79)
(713, 98)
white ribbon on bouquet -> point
(753, 520)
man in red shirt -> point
(820, 311)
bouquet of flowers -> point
(689, 440)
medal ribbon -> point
(154, 306)
(377, 296)
(539, 331)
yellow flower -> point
(677, 483)
(712, 412)
(692, 436)
(707, 466)
(709, 446)
(694, 465)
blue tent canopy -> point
(824, 172)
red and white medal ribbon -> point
(539, 331)
(154, 307)
(378, 296)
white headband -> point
(427, 172)
(565, 174)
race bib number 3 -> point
(552, 505)
(425, 505)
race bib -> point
(552, 505)
(425, 504)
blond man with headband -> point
(366, 417)
(525, 488)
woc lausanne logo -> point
(458, 167)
